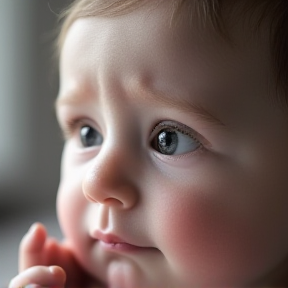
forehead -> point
(158, 19)
(202, 12)
(147, 33)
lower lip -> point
(122, 247)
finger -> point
(52, 253)
(53, 276)
(31, 247)
(62, 254)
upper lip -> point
(108, 237)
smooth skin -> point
(213, 213)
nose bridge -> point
(109, 178)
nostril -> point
(109, 201)
(113, 202)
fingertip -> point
(36, 230)
(58, 273)
(31, 246)
(37, 227)
(40, 276)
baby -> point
(174, 169)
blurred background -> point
(30, 141)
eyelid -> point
(73, 125)
(174, 125)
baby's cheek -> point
(71, 206)
(71, 202)
(205, 245)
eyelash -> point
(71, 126)
(178, 127)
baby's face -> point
(174, 170)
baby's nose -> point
(109, 181)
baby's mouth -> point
(120, 246)
(114, 243)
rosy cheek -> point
(202, 241)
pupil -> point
(167, 142)
(88, 136)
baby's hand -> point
(39, 261)
(42, 276)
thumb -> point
(39, 276)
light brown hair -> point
(273, 12)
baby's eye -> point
(90, 137)
(174, 140)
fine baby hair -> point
(174, 166)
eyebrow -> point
(184, 105)
(74, 99)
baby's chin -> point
(130, 272)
